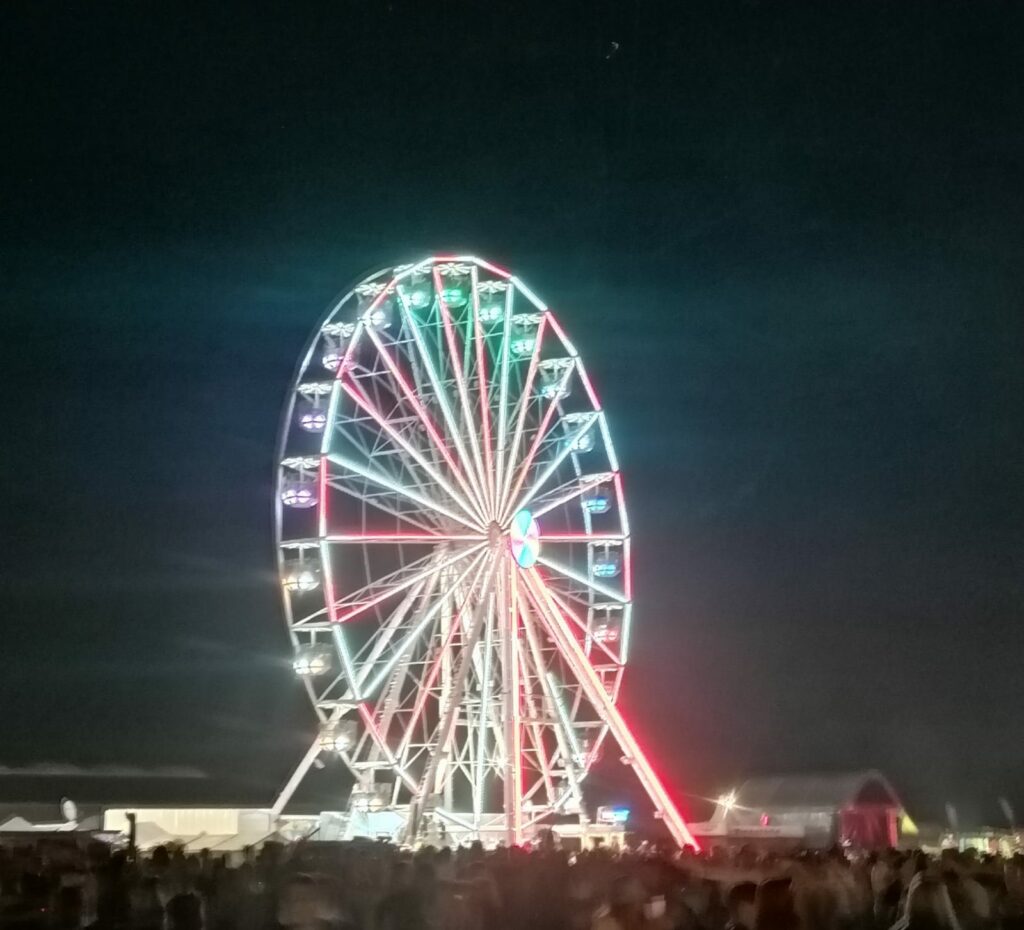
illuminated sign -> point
(613, 815)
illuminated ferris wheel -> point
(455, 556)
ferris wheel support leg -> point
(513, 775)
(550, 703)
(300, 772)
(598, 697)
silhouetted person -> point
(113, 908)
(184, 913)
(403, 907)
(67, 911)
(927, 906)
(775, 906)
(740, 902)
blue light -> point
(523, 541)
(598, 503)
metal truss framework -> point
(466, 677)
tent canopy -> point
(818, 792)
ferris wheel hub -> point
(524, 539)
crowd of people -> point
(375, 886)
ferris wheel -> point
(454, 554)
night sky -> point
(788, 239)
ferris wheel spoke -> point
(426, 691)
(509, 724)
(408, 513)
(416, 455)
(503, 394)
(482, 385)
(340, 639)
(552, 466)
(502, 717)
(563, 739)
(567, 611)
(378, 504)
(534, 729)
(484, 712)
(555, 689)
(371, 727)
(473, 762)
(460, 381)
(412, 538)
(439, 393)
(406, 398)
(568, 491)
(413, 636)
(385, 714)
(416, 738)
(417, 405)
(523, 406)
(358, 602)
(538, 437)
(396, 581)
(455, 699)
(567, 712)
(579, 578)
(374, 648)
(386, 482)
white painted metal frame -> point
(478, 693)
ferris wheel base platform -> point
(391, 825)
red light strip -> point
(582, 488)
(535, 445)
(594, 688)
(582, 626)
(360, 398)
(514, 725)
(523, 408)
(460, 379)
(364, 712)
(425, 538)
(363, 606)
(421, 412)
(485, 401)
(435, 668)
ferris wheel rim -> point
(547, 319)
(508, 499)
